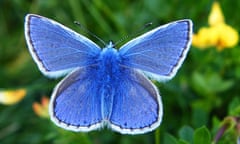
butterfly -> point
(106, 87)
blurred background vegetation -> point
(201, 104)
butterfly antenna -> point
(135, 33)
(89, 32)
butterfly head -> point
(110, 45)
(109, 54)
(109, 49)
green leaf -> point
(186, 133)
(202, 136)
(199, 117)
(234, 107)
(210, 83)
(169, 139)
(183, 142)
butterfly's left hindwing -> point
(75, 103)
(159, 52)
(56, 48)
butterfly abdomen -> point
(109, 72)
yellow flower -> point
(41, 109)
(219, 34)
(216, 15)
(228, 37)
(10, 97)
(202, 41)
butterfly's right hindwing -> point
(137, 104)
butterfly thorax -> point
(109, 60)
(108, 69)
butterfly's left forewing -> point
(159, 52)
(56, 48)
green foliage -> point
(189, 136)
(202, 135)
(186, 134)
(201, 104)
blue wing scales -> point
(159, 52)
(75, 103)
(56, 48)
(137, 104)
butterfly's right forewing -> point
(161, 51)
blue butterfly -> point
(107, 87)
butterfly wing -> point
(75, 103)
(137, 106)
(159, 52)
(56, 48)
